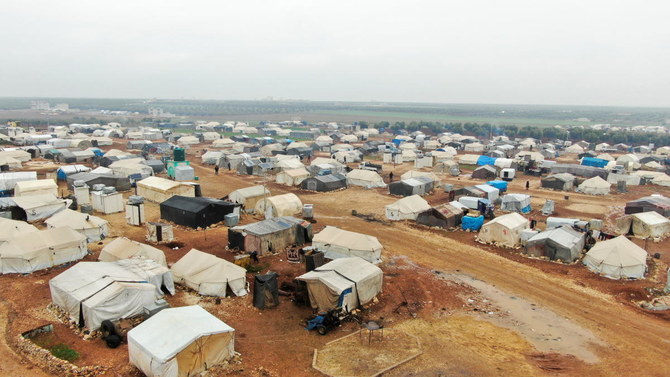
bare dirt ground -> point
(450, 317)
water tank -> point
(308, 211)
(231, 219)
(179, 154)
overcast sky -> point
(467, 51)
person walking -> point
(527, 185)
(391, 177)
(216, 169)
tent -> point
(595, 186)
(249, 196)
(292, 177)
(196, 212)
(211, 157)
(560, 181)
(93, 227)
(9, 180)
(266, 290)
(562, 243)
(123, 248)
(347, 283)
(90, 179)
(579, 170)
(444, 216)
(474, 147)
(412, 186)
(209, 275)
(407, 208)
(14, 228)
(504, 230)
(37, 187)
(574, 149)
(340, 243)
(472, 222)
(491, 193)
(656, 203)
(644, 225)
(158, 190)
(92, 292)
(279, 205)
(516, 203)
(486, 172)
(289, 163)
(365, 178)
(468, 159)
(324, 183)
(180, 342)
(33, 251)
(618, 258)
(34, 207)
(486, 160)
(271, 235)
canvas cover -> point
(30, 252)
(37, 187)
(407, 208)
(656, 203)
(158, 190)
(516, 203)
(93, 227)
(504, 230)
(595, 186)
(486, 172)
(560, 181)
(180, 342)
(9, 180)
(123, 248)
(365, 178)
(197, 212)
(644, 225)
(618, 258)
(292, 177)
(14, 228)
(279, 205)
(340, 243)
(91, 292)
(35, 207)
(209, 275)
(346, 282)
(562, 243)
(249, 196)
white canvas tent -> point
(30, 252)
(339, 243)
(346, 282)
(92, 227)
(249, 196)
(279, 205)
(37, 187)
(14, 228)
(407, 208)
(504, 230)
(292, 177)
(595, 186)
(36, 207)
(123, 248)
(92, 292)
(209, 275)
(365, 178)
(644, 225)
(180, 342)
(158, 190)
(618, 258)
(9, 180)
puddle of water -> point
(543, 328)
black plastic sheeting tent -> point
(323, 183)
(196, 212)
(266, 291)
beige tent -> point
(188, 140)
(618, 258)
(474, 147)
(644, 225)
(249, 196)
(31, 252)
(407, 208)
(292, 177)
(346, 282)
(289, 163)
(595, 186)
(504, 230)
(93, 227)
(180, 342)
(365, 178)
(123, 248)
(158, 190)
(223, 143)
(605, 156)
(279, 205)
(340, 243)
(574, 149)
(14, 228)
(468, 159)
(37, 187)
(209, 275)
(38, 207)
(415, 173)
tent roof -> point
(410, 204)
(193, 204)
(36, 184)
(28, 245)
(511, 220)
(619, 251)
(158, 183)
(651, 218)
(342, 273)
(269, 226)
(347, 239)
(250, 192)
(200, 267)
(562, 235)
(171, 330)
(13, 228)
(415, 174)
(596, 182)
(75, 220)
(123, 248)
(364, 175)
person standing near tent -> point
(216, 169)
(527, 185)
(390, 177)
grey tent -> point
(444, 216)
(579, 170)
(323, 183)
(656, 203)
(486, 172)
(561, 243)
(412, 186)
(266, 290)
(560, 181)
(118, 182)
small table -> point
(372, 326)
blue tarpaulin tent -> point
(486, 160)
(500, 185)
(472, 223)
(595, 162)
